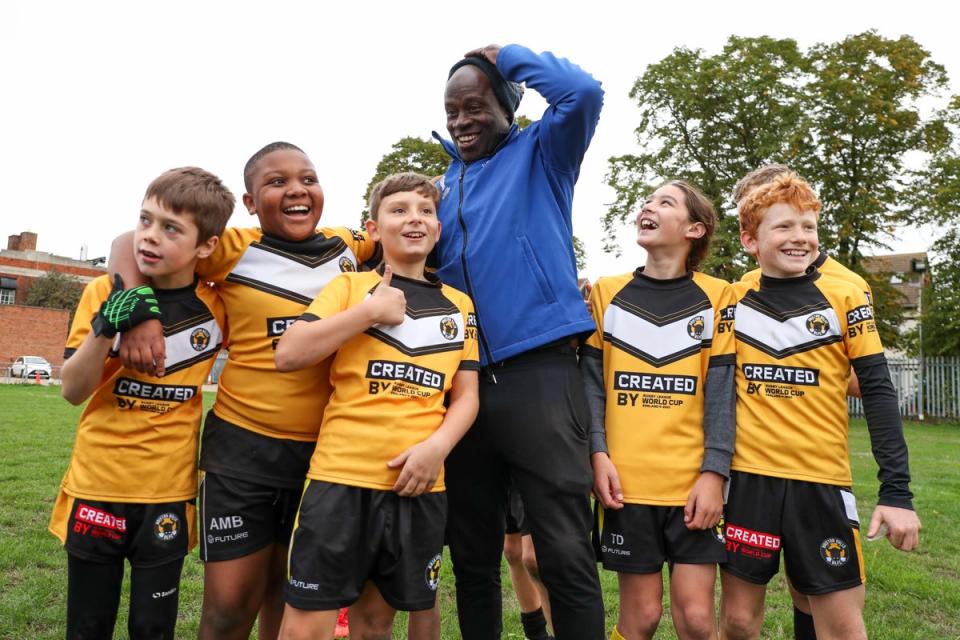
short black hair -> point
(251, 165)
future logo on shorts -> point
(199, 339)
(448, 328)
(817, 324)
(432, 573)
(346, 264)
(695, 328)
(166, 526)
(834, 552)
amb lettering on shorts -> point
(226, 522)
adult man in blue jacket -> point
(507, 241)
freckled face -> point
(786, 241)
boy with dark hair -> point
(260, 434)
(798, 332)
(403, 341)
(130, 488)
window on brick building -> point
(8, 290)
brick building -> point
(32, 330)
(21, 264)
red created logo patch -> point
(750, 538)
(100, 518)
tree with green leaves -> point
(934, 199)
(844, 115)
(55, 290)
(710, 120)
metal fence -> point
(933, 392)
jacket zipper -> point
(466, 273)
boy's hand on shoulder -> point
(705, 502)
(606, 481)
(420, 467)
(903, 526)
(388, 304)
(489, 52)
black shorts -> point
(347, 535)
(516, 519)
(639, 538)
(148, 535)
(816, 525)
(238, 518)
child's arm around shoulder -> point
(421, 463)
(306, 343)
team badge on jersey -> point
(199, 339)
(695, 327)
(432, 573)
(448, 328)
(346, 264)
(166, 526)
(834, 552)
(817, 324)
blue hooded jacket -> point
(507, 237)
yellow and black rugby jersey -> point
(266, 283)
(828, 267)
(796, 340)
(389, 382)
(657, 339)
(137, 438)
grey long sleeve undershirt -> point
(719, 419)
(719, 409)
(591, 368)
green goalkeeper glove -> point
(125, 309)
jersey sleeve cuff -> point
(469, 365)
(598, 442)
(717, 461)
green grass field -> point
(909, 596)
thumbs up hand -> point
(388, 304)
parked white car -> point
(29, 366)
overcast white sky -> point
(100, 97)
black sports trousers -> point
(531, 429)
